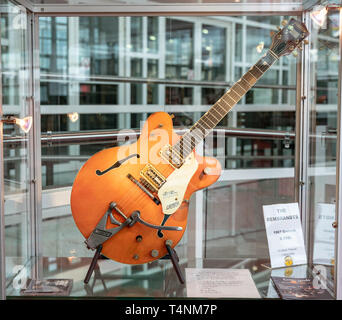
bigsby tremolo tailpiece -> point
(101, 234)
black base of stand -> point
(172, 255)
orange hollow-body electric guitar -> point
(140, 192)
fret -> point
(179, 148)
(206, 117)
(269, 58)
(246, 81)
(182, 145)
(265, 62)
(242, 85)
(259, 68)
(255, 72)
(219, 105)
(227, 98)
(211, 113)
(273, 55)
(228, 101)
(223, 100)
(249, 78)
(237, 88)
(199, 123)
(234, 95)
(193, 136)
(256, 79)
(218, 116)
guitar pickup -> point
(153, 176)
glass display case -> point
(90, 80)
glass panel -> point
(323, 128)
(14, 81)
(125, 69)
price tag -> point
(284, 235)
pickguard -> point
(172, 192)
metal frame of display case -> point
(2, 204)
(338, 232)
(302, 106)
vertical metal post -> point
(302, 137)
(2, 203)
(338, 231)
(35, 147)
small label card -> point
(220, 283)
(284, 235)
(324, 236)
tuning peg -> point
(306, 41)
(279, 28)
(300, 47)
(295, 53)
(284, 22)
(272, 33)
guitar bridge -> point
(153, 177)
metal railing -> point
(89, 137)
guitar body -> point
(98, 184)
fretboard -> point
(220, 109)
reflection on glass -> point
(174, 95)
(152, 89)
(53, 44)
(54, 93)
(235, 225)
(254, 34)
(179, 49)
(136, 34)
(323, 125)
(98, 45)
(152, 34)
(269, 20)
(213, 53)
(15, 77)
(98, 94)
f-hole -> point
(117, 164)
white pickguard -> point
(172, 192)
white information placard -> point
(324, 236)
(284, 235)
(220, 283)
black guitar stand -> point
(100, 234)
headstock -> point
(289, 37)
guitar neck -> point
(220, 109)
